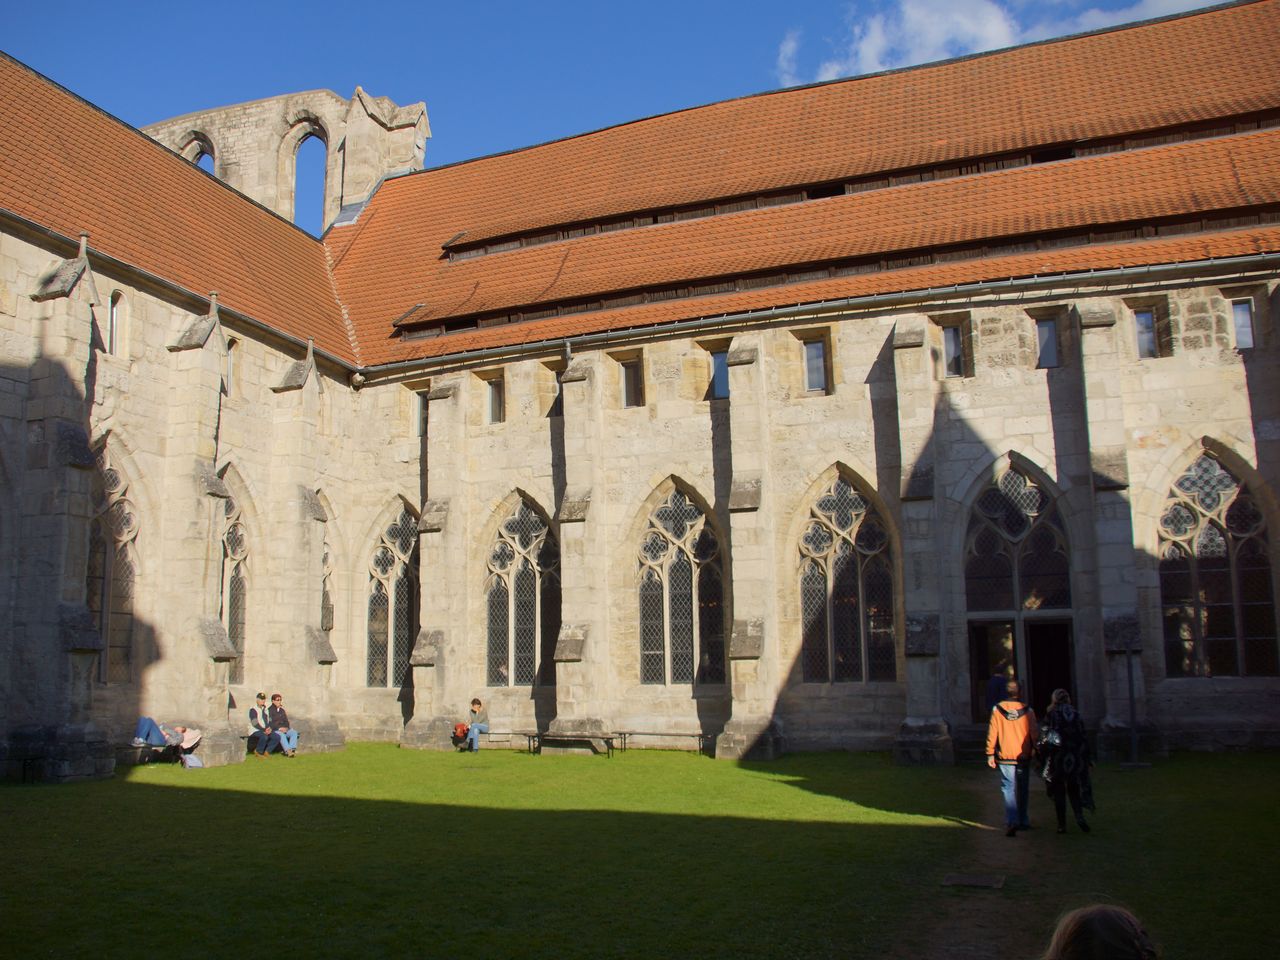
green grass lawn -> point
(376, 851)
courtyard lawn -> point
(376, 851)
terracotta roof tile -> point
(1182, 179)
(69, 167)
(1213, 64)
(1186, 249)
(1219, 63)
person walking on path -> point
(1064, 750)
(1011, 736)
(477, 724)
(278, 721)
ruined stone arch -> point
(197, 144)
(301, 127)
(846, 581)
(520, 567)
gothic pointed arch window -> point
(1215, 577)
(112, 569)
(1016, 557)
(522, 594)
(393, 601)
(235, 583)
(682, 602)
(846, 591)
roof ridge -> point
(783, 91)
(347, 325)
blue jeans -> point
(265, 743)
(289, 740)
(148, 730)
(473, 735)
(1015, 781)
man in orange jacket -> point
(1011, 737)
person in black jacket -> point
(1064, 751)
(278, 721)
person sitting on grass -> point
(261, 736)
(278, 721)
(477, 724)
(1100, 932)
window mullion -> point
(831, 609)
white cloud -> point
(786, 63)
(885, 34)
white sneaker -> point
(138, 742)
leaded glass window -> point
(235, 583)
(846, 591)
(682, 602)
(111, 569)
(1016, 555)
(393, 602)
(1215, 577)
(523, 598)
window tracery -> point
(112, 569)
(1016, 556)
(846, 591)
(523, 598)
(1215, 577)
(681, 593)
(393, 602)
(235, 583)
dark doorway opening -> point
(991, 651)
(1048, 661)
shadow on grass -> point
(133, 868)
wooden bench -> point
(498, 737)
(579, 739)
(704, 740)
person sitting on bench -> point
(261, 737)
(278, 720)
(477, 724)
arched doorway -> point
(1017, 591)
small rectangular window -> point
(815, 366)
(719, 375)
(953, 351)
(422, 413)
(1242, 317)
(497, 400)
(633, 383)
(1144, 322)
(1047, 343)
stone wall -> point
(254, 145)
(191, 413)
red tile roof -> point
(1179, 71)
(1219, 63)
(1044, 263)
(68, 167)
(1220, 174)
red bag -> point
(460, 731)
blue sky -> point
(503, 74)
